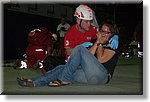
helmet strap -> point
(80, 24)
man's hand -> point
(87, 44)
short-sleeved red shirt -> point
(74, 37)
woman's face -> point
(105, 33)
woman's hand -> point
(101, 38)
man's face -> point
(63, 21)
(85, 24)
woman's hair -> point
(109, 23)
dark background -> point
(17, 25)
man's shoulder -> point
(72, 32)
(72, 28)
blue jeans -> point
(81, 67)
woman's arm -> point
(93, 48)
(104, 54)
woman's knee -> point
(79, 47)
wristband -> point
(99, 44)
(96, 42)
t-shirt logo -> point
(88, 38)
(67, 43)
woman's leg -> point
(48, 76)
(94, 71)
(79, 76)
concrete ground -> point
(127, 80)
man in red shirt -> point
(81, 32)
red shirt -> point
(74, 37)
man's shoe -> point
(36, 65)
(17, 63)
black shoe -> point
(25, 82)
(17, 63)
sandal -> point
(25, 82)
(57, 83)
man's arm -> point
(68, 50)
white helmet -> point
(84, 12)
